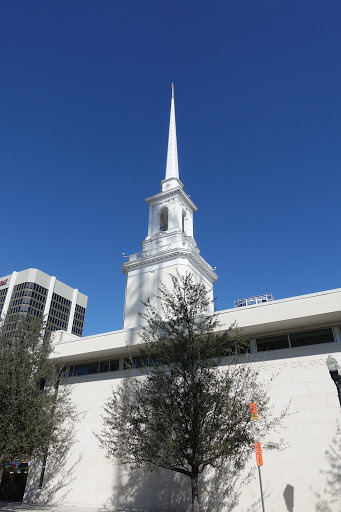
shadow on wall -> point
(330, 500)
(57, 479)
(289, 497)
(139, 490)
(222, 489)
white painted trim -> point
(174, 192)
(282, 301)
(49, 297)
(72, 311)
(171, 255)
(9, 293)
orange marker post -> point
(258, 448)
(253, 408)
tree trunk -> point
(195, 493)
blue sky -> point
(85, 97)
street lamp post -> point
(334, 369)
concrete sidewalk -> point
(12, 506)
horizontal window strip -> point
(295, 339)
(278, 342)
(94, 367)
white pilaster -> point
(151, 220)
(156, 219)
(171, 216)
(9, 294)
(189, 224)
(49, 297)
(72, 311)
(178, 214)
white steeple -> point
(169, 246)
(172, 167)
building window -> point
(103, 366)
(295, 339)
(136, 362)
(85, 369)
(112, 365)
(78, 321)
(300, 339)
(272, 343)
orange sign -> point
(258, 449)
(253, 408)
(259, 459)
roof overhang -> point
(295, 313)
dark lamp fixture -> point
(332, 364)
(334, 368)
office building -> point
(31, 291)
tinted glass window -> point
(104, 366)
(86, 369)
(136, 362)
(300, 339)
(114, 365)
(272, 343)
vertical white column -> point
(189, 224)
(49, 297)
(178, 215)
(156, 219)
(72, 311)
(171, 216)
(151, 219)
(9, 293)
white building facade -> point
(290, 339)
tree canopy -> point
(191, 410)
(32, 410)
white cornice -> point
(143, 260)
(173, 192)
(303, 312)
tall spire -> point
(172, 167)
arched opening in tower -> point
(164, 219)
(183, 221)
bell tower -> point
(169, 245)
